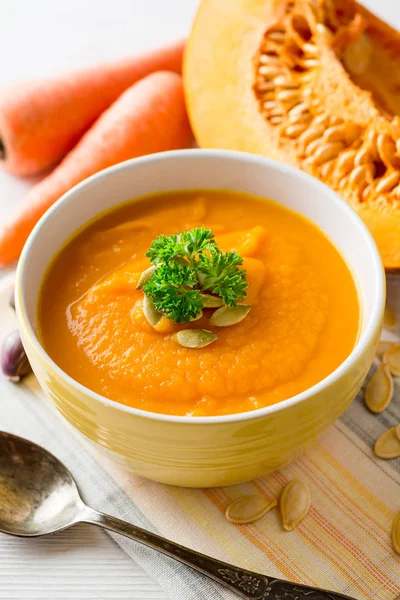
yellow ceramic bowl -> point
(203, 451)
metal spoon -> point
(38, 496)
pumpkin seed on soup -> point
(294, 504)
(229, 315)
(211, 301)
(379, 390)
(197, 317)
(145, 276)
(152, 315)
(392, 359)
(195, 338)
(396, 533)
(388, 444)
(248, 509)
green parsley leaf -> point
(221, 275)
(171, 288)
(189, 264)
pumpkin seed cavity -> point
(248, 509)
(388, 444)
(230, 315)
(195, 338)
(379, 390)
(294, 504)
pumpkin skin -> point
(312, 83)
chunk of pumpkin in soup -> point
(255, 274)
(246, 243)
(303, 321)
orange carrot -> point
(149, 117)
(41, 121)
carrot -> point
(41, 121)
(148, 117)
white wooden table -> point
(40, 38)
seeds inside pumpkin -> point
(379, 390)
(388, 444)
(294, 504)
(249, 509)
(368, 157)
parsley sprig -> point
(188, 265)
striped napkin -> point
(343, 544)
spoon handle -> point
(246, 584)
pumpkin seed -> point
(230, 315)
(145, 276)
(197, 317)
(249, 509)
(389, 321)
(294, 504)
(398, 431)
(195, 338)
(391, 358)
(383, 347)
(211, 301)
(379, 390)
(152, 315)
(388, 444)
(396, 533)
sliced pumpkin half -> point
(313, 83)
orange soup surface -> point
(303, 323)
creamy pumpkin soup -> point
(199, 303)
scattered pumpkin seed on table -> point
(229, 315)
(294, 504)
(389, 321)
(388, 444)
(248, 509)
(396, 533)
(392, 359)
(383, 347)
(379, 389)
(195, 338)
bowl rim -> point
(377, 271)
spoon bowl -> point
(37, 492)
(38, 496)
